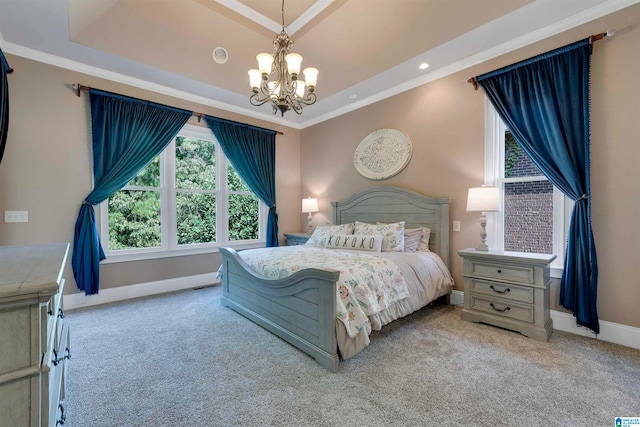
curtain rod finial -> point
(609, 33)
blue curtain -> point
(544, 101)
(252, 152)
(127, 135)
(4, 102)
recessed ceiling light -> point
(424, 66)
(353, 96)
(220, 55)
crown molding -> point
(79, 67)
(600, 10)
(573, 21)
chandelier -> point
(286, 91)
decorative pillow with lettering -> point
(392, 234)
(354, 242)
(321, 233)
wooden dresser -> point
(34, 338)
(509, 290)
(294, 239)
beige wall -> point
(46, 169)
(445, 122)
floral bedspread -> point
(367, 283)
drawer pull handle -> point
(56, 359)
(500, 271)
(507, 308)
(60, 313)
(67, 353)
(499, 292)
(63, 417)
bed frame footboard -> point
(301, 308)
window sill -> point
(113, 258)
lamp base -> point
(309, 228)
(483, 234)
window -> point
(534, 215)
(188, 200)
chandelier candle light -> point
(286, 92)
(308, 206)
(483, 199)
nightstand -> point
(294, 239)
(509, 290)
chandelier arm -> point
(256, 101)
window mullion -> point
(169, 196)
(222, 203)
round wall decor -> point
(382, 154)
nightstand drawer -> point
(512, 311)
(522, 274)
(506, 291)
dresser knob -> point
(499, 292)
(507, 308)
(500, 271)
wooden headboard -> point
(393, 204)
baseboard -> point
(457, 298)
(616, 333)
(79, 300)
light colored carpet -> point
(181, 359)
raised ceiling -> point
(365, 49)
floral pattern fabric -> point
(321, 234)
(392, 234)
(367, 285)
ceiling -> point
(366, 50)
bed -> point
(301, 308)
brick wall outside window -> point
(528, 207)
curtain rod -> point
(78, 87)
(593, 38)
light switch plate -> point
(16, 216)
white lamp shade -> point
(311, 76)
(293, 63)
(255, 78)
(264, 63)
(483, 199)
(309, 205)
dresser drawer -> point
(506, 291)
(504, 309)
(489, 270)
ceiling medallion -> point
(286, 92)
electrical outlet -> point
(456, 225)
(16, 216)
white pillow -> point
(321, 234)
(355, 242)
(412, 239)
(392, 234)
(423, 246)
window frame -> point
(169, 245)
(494, 176)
